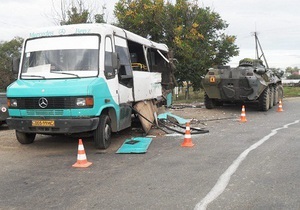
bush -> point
(294, 76)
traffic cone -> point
(81, 157)
(280, 107)
(187, 142)
(243, 115)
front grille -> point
(53, 103)
(40, 112)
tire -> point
(275, 101)
(218, 103)
(271, 96)
(102, 135)
(25, 138)
(208, 102)
(280, 93)
(264, 100)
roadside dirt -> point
(199, 116)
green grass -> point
(194, 96)
(291, 92)
(197, 96)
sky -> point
(276, 22)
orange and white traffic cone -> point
(81, 157)
(187, 142)
(243, 115)
(280, 107)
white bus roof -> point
(100, 28)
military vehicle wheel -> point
(275, 101)
(271, 97)
(264, 100)
(280, 92)
(25, 138)
(208, 102)
(218, 103)
(102, 135)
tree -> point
(138, 16)
(195, 35)
(8, 51)
(76, 15)
(294, 76)
(291, 70)
(78, 12)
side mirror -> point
(16, 64)
(115, 61)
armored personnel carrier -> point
(251, 81)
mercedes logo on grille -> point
(43, 103)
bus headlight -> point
(12, 103)
(85, 102)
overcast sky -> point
(277, 23)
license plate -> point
(43, 123)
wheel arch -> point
(112, 113)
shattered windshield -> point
(61, 57)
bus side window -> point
(125, 71)
(109, 71)
(138, 60)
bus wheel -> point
(102, 135)
(25, 138)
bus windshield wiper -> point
(58, 72)
(23, 75)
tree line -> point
(292, 72)
(195, 35)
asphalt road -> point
(252, 165)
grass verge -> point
(291, 92)
(198, 96)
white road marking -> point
(224, 179)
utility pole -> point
(257, 45)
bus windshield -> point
(61, 57)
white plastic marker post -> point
(224, 179)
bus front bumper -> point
(53, 126)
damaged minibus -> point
(86, 80)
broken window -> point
(125, 71)
(109, 71)
(137, 56)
